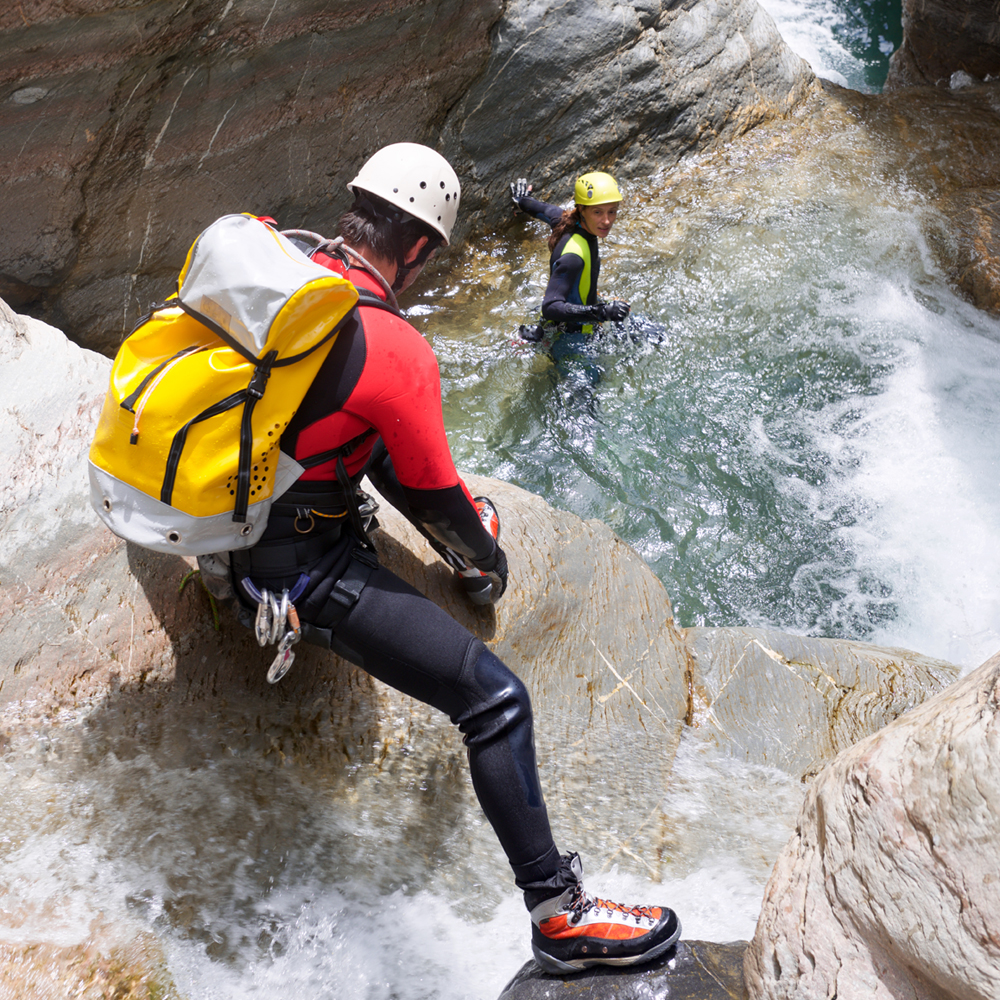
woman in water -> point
(571, 300)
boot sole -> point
(556, 967)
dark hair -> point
(570, 220)
(386, 231)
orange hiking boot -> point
(575, 930)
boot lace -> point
(582, 902)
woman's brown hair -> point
(570, 219)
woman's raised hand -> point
(519, 189)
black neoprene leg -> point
(402, 638)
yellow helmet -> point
(596, 188)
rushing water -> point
(802, 434)
(846, 41)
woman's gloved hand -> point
(615, 311)
(519, 189)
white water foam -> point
(64, 871)
(808, 27)
(919, 464)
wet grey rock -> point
(630, 87)
(693, 970)
(794, 702)
(889, 887)
(128, 128)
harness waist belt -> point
(287, 557)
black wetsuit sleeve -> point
(442, 516)
(564, 278)
(540, 210)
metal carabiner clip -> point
(277, 623)
(282, 663)
(264, 623)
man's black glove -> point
(496, 566)
(519, 189)
(615, 311)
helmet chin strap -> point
(403, 269)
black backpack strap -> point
(367, 298)
(349, 488)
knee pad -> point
(503, 713)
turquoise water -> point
(806, 444)
(847, 41)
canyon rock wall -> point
(944, 37)
(129, 126)
(955, 46)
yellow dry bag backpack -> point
(185, 458)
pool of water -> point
(798, 435)
(846, 41)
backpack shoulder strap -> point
(367, 298)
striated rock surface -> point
(128, 128)
(693, 970)
(793, 702)
(626, 86)
(944, 37)
(889, 887)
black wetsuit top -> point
(563, 302)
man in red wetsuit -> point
(375, 408)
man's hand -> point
(498, 573)
(519, 189)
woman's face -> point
(598, 219)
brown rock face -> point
(129, 126)
(942, 37)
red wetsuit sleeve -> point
(399, 393)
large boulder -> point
(128, 129)
(889, 887)
(606, 84)
(90, 623)
(945, 37)
(794, 702)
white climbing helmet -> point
(415, 179)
